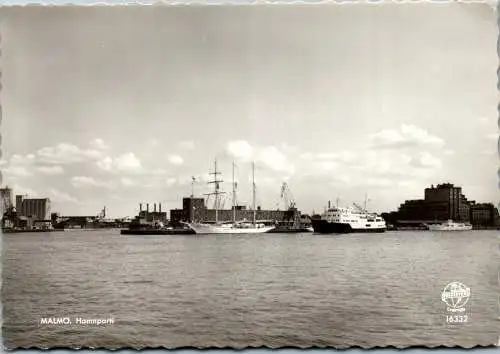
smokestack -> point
(147, 207)
(159, 207)
(140, 206)
(154, 207)
(328, 204)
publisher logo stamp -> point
(456, 296)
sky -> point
(117, 106)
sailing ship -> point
(233, 227)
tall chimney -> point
(159, 207)
(154, 207)
(147, 207)
(328, 204)
(140, 207)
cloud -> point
(85, 181)
(269, 156)
(426, 160)
(175, 160)
(449, 152)
(82, 181)
(240, 150)
(187, 145)
(407, 136)
(128, 162)
(124, 163)
(98, 144)
(13, 171)
(66, 154)
(274, 159)
(50, 170)
(22, 160)
(18, 166)
(105, 164)
(341, 156)
(58, 196)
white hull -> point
(450, 226)
(200, 228)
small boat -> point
(450, 225)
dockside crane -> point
(287, 196)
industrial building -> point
(151, 216)
(483, 214)
(36, 208)
(443, 202)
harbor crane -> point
(287, 196)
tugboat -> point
(346, 220)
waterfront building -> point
(484, 214)
(446, 201)
(36, 208)
(440, 203)
(443, 202)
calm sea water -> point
(247, 290)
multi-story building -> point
(484, 214)
(446, 201)
(440, 203)
(35, 208)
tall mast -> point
(217, 191)
(253, 191)
(216, 187)
(234, 198)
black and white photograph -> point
(237, 176)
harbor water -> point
(247, 290)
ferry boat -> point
(450, 225)
(234, 227)
(346, 220)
